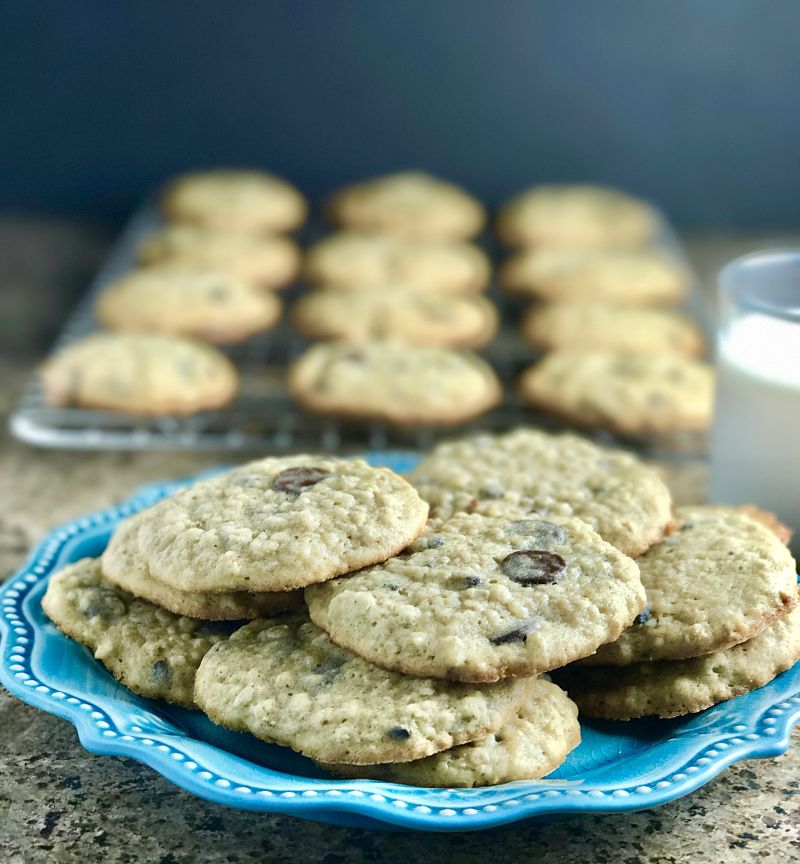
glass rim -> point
(746, 297)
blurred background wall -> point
(694, 103)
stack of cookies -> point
(617, 357)
(386, 641)
(209, 276)
(397, 300)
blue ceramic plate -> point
(619, 766)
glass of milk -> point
(755, 439)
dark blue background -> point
(695, 103)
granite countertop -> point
(58, 803)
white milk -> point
(755, 440)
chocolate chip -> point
(544, 533)
(491, 490)
(472, 581)
(104, 605)
(160, 673)
(297, 480)
(433, 542)
(518, 634)
(534, 567)
(329, 668)
(399, 733)
(645, 615)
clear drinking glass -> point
(755, 439)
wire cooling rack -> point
(263, 417)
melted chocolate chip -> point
(160, 673)
(518, 634)
(105, 605)
(297, 480)
(544, 533)
(398, 733)
(329, 668)
(645, 615)
(491, 490)
(472, 581)
(534, 567)
(432, 542)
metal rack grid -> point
(263, 417)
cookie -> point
(526, 471)
(369, 261)
(528, 746)
(410, 204)
(209, 304)
(263, 260)
(271, 525)
(576, 216)
(626, 393)
(769, 520)
(394, 382)
(285, 681)
(139, 373)
(719, 579)
(151, 651)
(623, 278)
(131, 574)
(479, 598)
(407, 316)
(235, 200)
(671, 688)
(572, 326)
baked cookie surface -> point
(368, 261)
(272, 525)
(139, 373)
(263, 260)
(671, 688)
(530, 745)
(603, 327)
(479, 598)
(526, 471)
(150, 650)
(576, 215)
(719, 579)
(627, 393)
(235, 200)
(285, 681)
(210, 304)
(408, 316)
(395, 382)
(410, 204)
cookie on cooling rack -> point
(369, 261)
(577, 216)
(479, 598)
(627, 393)
(150, 650)
(526, 471)
(395, 382)
(410, 204)
(214, 305)
(285, 681)
(235, 200)
(139, 373)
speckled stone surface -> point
(59, 803)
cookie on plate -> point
(139, 373)
(719, 579)
(264, 260)
(270, 525)
(131, 574)
(284, 681)
(628, 393)
(395, 382)
(671, 688)
(410, 204)
(769, 520)
(479, 598)
(151, 651)
(368, 261)
(528, 746)
(573, 326)
(235, 200)
(210, 304)
(577, 216)
(526, 471)
(643, 277)
(449, 321)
